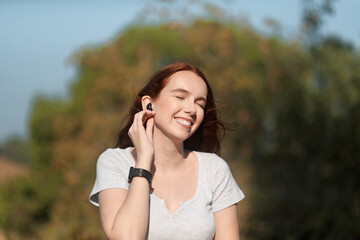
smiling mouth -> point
(183, 122)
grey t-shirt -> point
(194, 219)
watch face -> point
(130, 174)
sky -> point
(38, 39)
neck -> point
(169, 155)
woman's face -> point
(180, 106)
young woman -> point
(164, 181)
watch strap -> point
(139, 172)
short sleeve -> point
(111, 172)
(225, 190)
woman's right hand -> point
(143, 138)
(125, 213)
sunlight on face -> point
(180, 105)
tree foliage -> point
(308, 175)
(295, 116)
(313, 14)
(16, 149)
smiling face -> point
(180, 106)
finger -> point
(150, 128)
(146, 115)
(138, 119)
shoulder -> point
(113, 152)
(115, 156)
(212, 159)
(213, 164)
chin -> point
(178, 137)
(183, 137)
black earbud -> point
(149, 107)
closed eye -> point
(179, 97)
(201, 105)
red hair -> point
(206, 138)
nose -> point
(190, 108)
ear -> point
(145, 100)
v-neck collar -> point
(182, 204)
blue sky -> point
(39, 37)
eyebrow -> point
(187, 92)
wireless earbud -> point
(149, 107)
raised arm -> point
(125, 214)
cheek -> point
(201, 117)
(164, 111)
(167, 106)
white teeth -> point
(182, 121)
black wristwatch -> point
(139, 172)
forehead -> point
(188, 81)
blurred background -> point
(286, 76)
